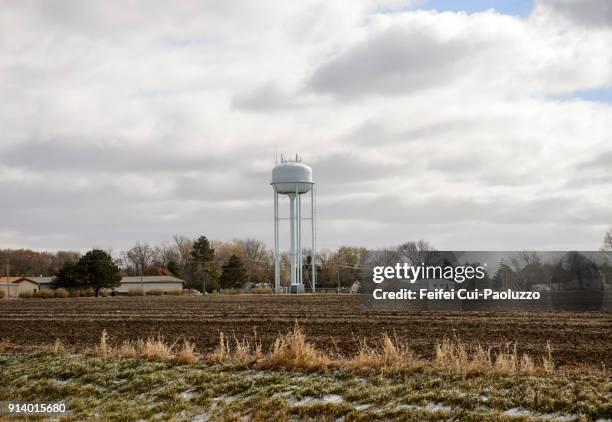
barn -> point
(16, 285)
(150, 282)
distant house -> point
(150, 282)
(16, 285)
(44, 283)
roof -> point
(4, 280)
(41, 280)
(151, 279)
(131, 279)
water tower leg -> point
(293, 251)
(277, 288)
(313, 250)
(300, 280)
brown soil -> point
(334, 323)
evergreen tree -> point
(68, 276)
(202, 256)
(174, 269)
(98, 271)
(233, 274)
(502, 277)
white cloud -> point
(135, 121)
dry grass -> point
(261, 291)
(58, 347)
(103, 349)
(390, 354)
(186, 353)
(292, 351)
(135, 292)
(153, 348)
(222, 351)
(44, 294)
(175, 292)
(470, 360)
(61, 292)
(5, 344)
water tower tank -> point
(290, 176)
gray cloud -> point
(589, 13)
(397, 61)
(267, 97)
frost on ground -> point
(135, 389)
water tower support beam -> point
(276, 243)
(313, 250)
(299, 240)
(293, 239)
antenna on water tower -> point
(293, 178)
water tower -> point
(294, 179)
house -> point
(44, 283)
(16, 285)
(150, 282)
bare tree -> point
(528, 269)
(607, 241)
(417, 253)
(255, 258)
(140, 256)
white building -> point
(146, 283)
(150, 282)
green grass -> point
(119, 388)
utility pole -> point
(8, 269)
(338, 272)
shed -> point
(150, 282)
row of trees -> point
(211, 265)
(26, 262)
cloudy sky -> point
(483, 128)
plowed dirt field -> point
(334, 323)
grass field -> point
(165, 359)
(104, 384)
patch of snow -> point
(281, 394)
(519, 411)
(430, 407)
(438, 407)
(363, 406)
(328, 398)
(227, 399)
(187, 395)
(304, 400)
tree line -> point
(208, 265)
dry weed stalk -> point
(58, 347)
(5, 344)
(222, 351)
(187, 353)
(103, 349)
(292, 351)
